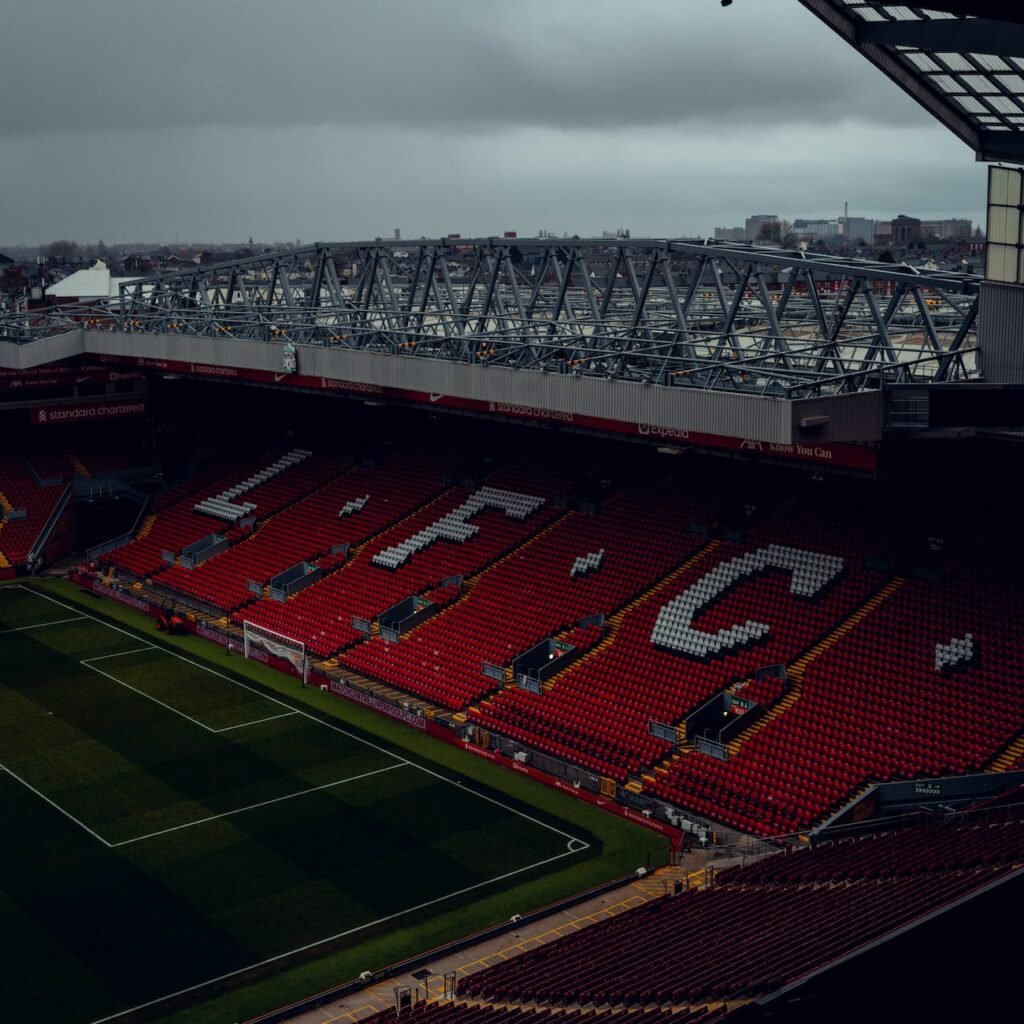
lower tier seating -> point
(752, 935)
(308, 530)
(19, 490)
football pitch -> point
(168, 827)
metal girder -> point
(676, 313)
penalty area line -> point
(40, 625)
(252, 807)
(260, 721)
(319, 721)
(56, 806)
(334, 938)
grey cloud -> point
(278, 184)
(469, 65)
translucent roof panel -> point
(966, 69)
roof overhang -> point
(968, 72)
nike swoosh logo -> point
(435, 398)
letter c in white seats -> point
(811, 573)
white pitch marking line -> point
(142, 693)
(272, 718)
(333, 938)
(56, 806)
(120, 654)
(263, 803)
(311, 717)
(344, 732)
(40, 625)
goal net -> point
(278, 644)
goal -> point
(278, 644)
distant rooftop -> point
(94, 283)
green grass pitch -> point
(168, 826)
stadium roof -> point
(967, 71)
(96, 282)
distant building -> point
(905, 230)
(809, 229)
(756, 222)
(731, 234)
(87, 285)
(854, 228)
(953, 228)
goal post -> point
(281, 646)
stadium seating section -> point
(20, 490)
(890, 676)
(763, 926)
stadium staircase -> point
(1010, 758)
(76, 464)
(798, 669)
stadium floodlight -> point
(281, 646)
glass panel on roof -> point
(869, 13)
(945, 83)
(977, 83)
(902, 13)
(955, 61)
(990, 63)
(1012, 82)
(922, 61)
(971, 105)
(1004, 104)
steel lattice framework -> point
(696, 314)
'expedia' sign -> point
(84, 412)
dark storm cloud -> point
(467, 65)
(211, 120)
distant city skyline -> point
(339, 122)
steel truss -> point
(697, 314)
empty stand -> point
(874, 706)
(308, 530)
(535, 593)
(755, 606)
(768, 926)
(322, 615)
(175, 524)
(19, 490)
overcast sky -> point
(210, 120)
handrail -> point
(51, 522)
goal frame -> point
(255, 635)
